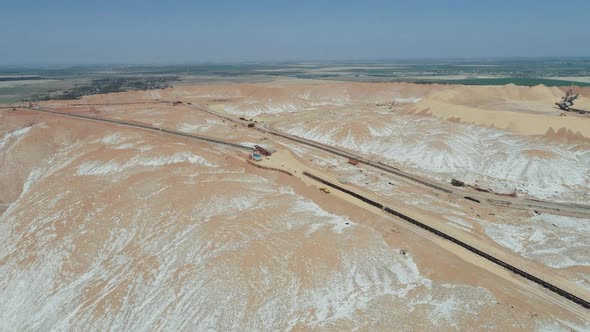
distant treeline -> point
(110, 85)
(524, 81)
(17, 78)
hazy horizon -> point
(311, 62)
(178, 32)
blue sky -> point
(86, 32)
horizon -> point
(314, 165)
(66, 32)
(310, 62)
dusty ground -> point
(107, 227)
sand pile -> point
(476, 145)
(117, 227)
(529, 111)
(525, 110)
(110, 227)
(138, 231)
(377, 119)
(492, 158)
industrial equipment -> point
(567, 102)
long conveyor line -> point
(462, 244)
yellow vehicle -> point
(325, 190)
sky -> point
(186, 32)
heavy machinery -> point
(258, 152)
(262, 150)
(567, 102)
(256, 156)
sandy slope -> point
(113, 228)
(126, 230)
(526, 110)
(493, 158)
(556, 243)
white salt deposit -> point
(410, 100)
(109, 167)
(496, 159)
(460, 223)
(196, 128)
(321, 217)
(556, 241)
(259, 109)
(113, 139)
(14, 135)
